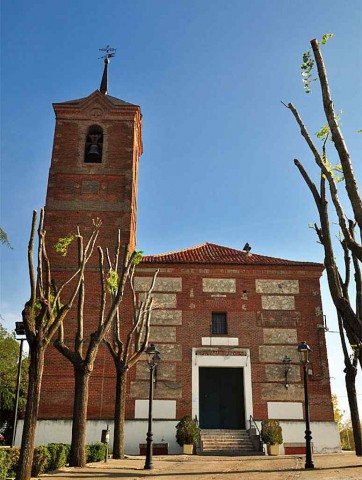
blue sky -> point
(218, 144)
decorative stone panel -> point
(162, 334)
(277, 318)
(276, 353)
(165, 371)
(277, 286)
(276, 373)
(276, 302)
(166, 317)
(170, 351)
(280, 335)
(162, 300)
(140, 389)
(162, 284)
(219, 285)
(277, 391)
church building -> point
(227, 322)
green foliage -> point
(58, 453)
(112, 281)
(4, 465)
(271, 432)
(4, 238)
(13, 455)
(308, 64)
(63, 243)
(326, 37)
(187, 431)
(138, 257)
(9, 349)
(40, 460)
(307, 68)
(96, 452)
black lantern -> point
(287, 368)
(304, 351)
(153, 357)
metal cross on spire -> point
(109, 53)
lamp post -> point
(152, 360)
(304, 350)
(20, 332)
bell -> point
(93, 154)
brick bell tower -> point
(93, 174)
(94, 166)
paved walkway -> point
(342, 466)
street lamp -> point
(153, 358)
(304, 350)
(20, 332)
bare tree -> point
(83, 358)
(348, 310)
(42, 316)
(127, 353)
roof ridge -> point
(178, 251)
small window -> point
(219, 325)
(93, 145)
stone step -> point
(226, 442)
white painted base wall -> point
(325, 434)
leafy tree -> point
(348, 304)
(9, 357)
(83, 357)
(42, 315)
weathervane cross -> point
(109, 53)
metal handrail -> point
(251, 420)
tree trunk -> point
(353, 405)
(119, 413)
(31, 414)
(79, 427)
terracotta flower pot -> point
(188, 449)
(273, 449)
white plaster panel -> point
(166, 317)
(285, 410)
(280, 335)
(213, 341)
(160, 409)
(277, 286)
(162, 284)
(162, 300)
(325, 434)
(219, 285)
(276, 302)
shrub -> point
(13, 455)
(187, 431)
(4, 464)
(58, 453)
(96, 452)
(271, 432)
(40, 460)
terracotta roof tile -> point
(217, 254)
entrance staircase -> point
(227, 442)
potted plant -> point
(271, 434)
(187, 434)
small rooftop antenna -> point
(109, 53)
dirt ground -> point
(341, 466)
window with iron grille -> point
(219, 325)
